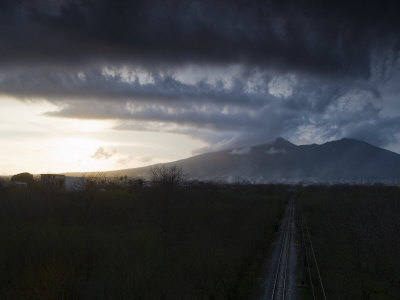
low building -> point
(63, 183)
(75, 183)
(19, 184)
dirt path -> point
(280, 276)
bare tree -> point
(167, 176)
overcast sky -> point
(99, 85)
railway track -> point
(281, 277)
(280, 270)
(306, 240)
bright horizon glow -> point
(36, 143)
(88, 125)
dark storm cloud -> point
(311, 70)
(111, 84)
(377, 132)
(316, 36)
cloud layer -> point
(228, 72)
(320, 37)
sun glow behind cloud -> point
(88, 125)
(34, 142)
(31, 141)
(74, 153)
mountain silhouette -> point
(345, 160)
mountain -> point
(281, 161)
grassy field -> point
(135, 243)
(355, 233)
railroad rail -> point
(304, 225)
(279, 290)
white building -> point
(62, 182)
(75, 183)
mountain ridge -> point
(342, 160)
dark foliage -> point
(23, 177)
(355, 232)
(125, 243)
